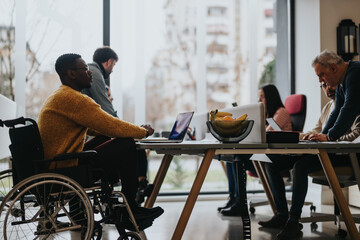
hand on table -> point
(320, 137)
(149, 129)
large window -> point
(178, 54)
(52, 28)
(174, 56)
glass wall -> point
(174, 56)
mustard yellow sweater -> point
(65, 119)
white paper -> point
(260, 157)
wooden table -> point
(209, 149)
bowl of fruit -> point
(224, 127)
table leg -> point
(260, 171)
(194, 192)
(241, 183)
(159, 179)
(339, 196)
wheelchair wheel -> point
(6, 183)
(46, 206)
(130, 236)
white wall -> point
(307, 46)
(331, 14)
(315, 31)
(7, 111)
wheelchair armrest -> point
(66, 156)
(82, 155)
(12, 122)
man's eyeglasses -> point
(86, 69)
(323, 85)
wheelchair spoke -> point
(46, 208)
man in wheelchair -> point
(68, 115)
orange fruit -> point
(227, 118)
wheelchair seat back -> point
(27, 154)
(26, 147)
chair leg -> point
(241, 182)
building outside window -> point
(158, 44)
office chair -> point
(295, 104)
(347, 176)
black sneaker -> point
(277, 221)
(142, 224)
(292, 230)
(144, 190)
(228, 204)
(141, 213)
(234, 211)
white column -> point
(117, 16)
(20, 56)
(140, 102)
(200, 55)
(253, 39)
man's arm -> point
(353, 133)
(97, 91)
(339, 101)
(350, 108)
(87, 113)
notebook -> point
(279, 136)
(273, 124)
(178, 131)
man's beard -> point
(106, 74)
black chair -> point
(347, 176)
(48, 203)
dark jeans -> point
(142, 163)
(117, 157)
(231, 172)
(302, 165)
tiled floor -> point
(206, 224)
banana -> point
(223, 114)
(213, 115)
(242, 117)
(225, 131)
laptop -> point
(279, 136)
(178, 131)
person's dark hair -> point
(103, 54)
(272, 98)
(65, 62)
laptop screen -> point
(180, 126)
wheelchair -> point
(61, 203)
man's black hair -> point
(272, 99)
(103, 54)
(65, 62)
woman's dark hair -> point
(272, 99)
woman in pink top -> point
(274, 108)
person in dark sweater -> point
(104, 60)
(342, 124)
(334, 72)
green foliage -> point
(268, 75)
(178, 174)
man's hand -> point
(149, 129)
(318, 137)
(306, 137)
